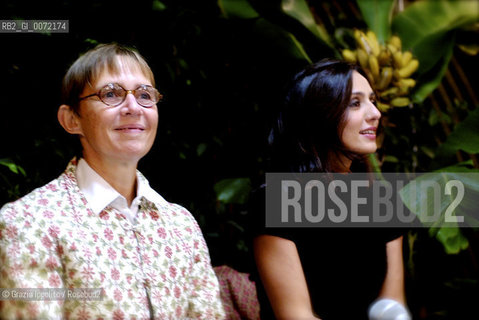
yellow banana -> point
(373, 42)
(389, 92)
(386, 76)
(363, 58)
(384, 57)
(370, 76)
(400, 102)
(407, 70)
(363, 41)
(383, 107)
(374, 67)
(408, 83)
(406, 57)
(397, 57)
(349, 56)
(392, 48)
(396, 42)
(403, 91)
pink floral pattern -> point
(238, 294)
(50, 238)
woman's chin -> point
(366, 150)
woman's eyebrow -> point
(362, 94)
(358, 93)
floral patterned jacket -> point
(158, 268)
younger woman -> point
(329, 122)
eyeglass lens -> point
(113, 94)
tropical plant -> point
(420, 40)
(220, 64)
(422, 136)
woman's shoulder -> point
(42, 197)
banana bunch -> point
(388, 68)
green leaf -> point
(234, 190)
(423, 203)
(157, 5)
(237, 9)
(300, 48)
(201, 149)
(424, 18)
(390, 158)
(465, 166)
(235, 225)
(299, 10)
(12, 166)
(430, 77)
(464, 137)
(282, 42)
(91, 41)
(426, 28)
(378, 15)
(452, 239)
(468, 39)
(427, 151)
(373, 159)
(471, 49)
(434, 118)
(432, 50)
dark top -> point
(344, 267)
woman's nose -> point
(130, 105)
(373, 112)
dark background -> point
(222, 81)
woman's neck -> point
(120, 175)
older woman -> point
(100, 224)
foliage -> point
(447, 16)
(428, 30)
(233, 190)
(7, 186)
(221, 65)
(465, 136)
(425, 28)
(443, 216)
(378, 16)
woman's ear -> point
(69, 119)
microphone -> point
(388, 309)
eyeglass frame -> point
(160, 96)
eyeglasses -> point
(113, 94)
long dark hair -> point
(308, 129)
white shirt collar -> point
(100, 193)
